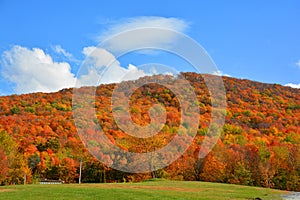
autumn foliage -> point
(259, 144)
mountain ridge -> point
(242, 79)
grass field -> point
(145, 190)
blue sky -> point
(43, 43)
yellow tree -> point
(14, 165)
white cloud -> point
(61, 51)
(32, 70)
(133, 73)
(88, 50)
(58, 49)
(141, 38)
(99, 57)
(102, 68)
(293, 85)
(144, 22)
(35, 71)
(220, 73)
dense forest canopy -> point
(259, 144)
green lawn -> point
(145, 190)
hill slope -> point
(259, 144)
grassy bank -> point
(145, 190)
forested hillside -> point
(259, 144)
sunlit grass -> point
(145, 190)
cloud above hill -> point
(293, 85)
(32, 70)
(131, 38)
(103, 67)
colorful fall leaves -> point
(259, 144)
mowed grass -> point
(144, 190)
